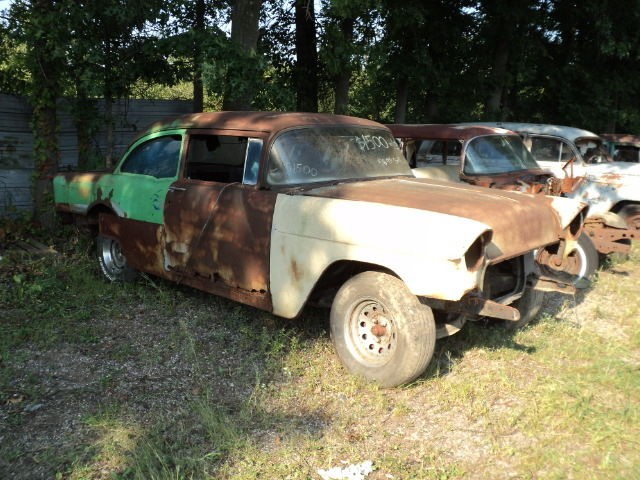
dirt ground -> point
(147, 364)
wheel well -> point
(624, 203)
(93, 216)
(334, 277)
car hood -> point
(520, 222)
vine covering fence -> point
(16, 140)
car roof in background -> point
(622, 138)
(571, 133)
(444, 131)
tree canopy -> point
(552, 61)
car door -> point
(140, 182)
(217, 222)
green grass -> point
(165, 382)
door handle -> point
(177, 189)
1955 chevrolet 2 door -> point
(277, 210)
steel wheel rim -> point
(581, 257)
(113, 258)
(372, 332)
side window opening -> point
(216, 158)
(548, 150)
(445, 152)
(157, 158)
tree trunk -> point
(83, 114)
(47, 155)
(307, 57)
(46, 90)
(402, 96)
(198, 88)
(499, 75)
(110, 124)
(342, 80)
(83, 133)
(431, 107)
(505, 19)
(240, 90)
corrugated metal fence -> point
(16, 140)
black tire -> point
(631, 215)
(380, 330)
(529, 305)
(112, 261)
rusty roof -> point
(622, 138)
(444, 131)
(573, 134)
(265, 122)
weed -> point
(165, 382)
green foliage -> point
(552, 61)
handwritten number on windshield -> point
(371, 142)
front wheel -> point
(380, 330)
(113, 263)
(529, 305)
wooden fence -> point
(16, 141)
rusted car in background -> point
(277, 210)
(493, 157)
(622, 147)
(611, 189)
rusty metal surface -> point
(140, 241)
(143, 245)
(549, 284)
(529, 181)
(476, 306)
(622, 139)
(564, 261)
(443, 131)
(219, 232)
(521, 223)
(607, 239)
(268, 123)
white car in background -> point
(610, 187)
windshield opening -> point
(495, 154)
(330, 153)
(593, 151)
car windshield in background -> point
(593, 151)
(321, 154)
(495, 154)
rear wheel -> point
(113, 263)
(380, 330)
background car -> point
(610, 187)
(622, 147)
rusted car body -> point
(611, 189)
(277, 210)
(493, 157)
(622, 147)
